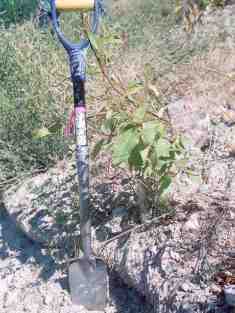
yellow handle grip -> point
(72, 5)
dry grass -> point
(40, 84)
(209, 80)
(123, 6)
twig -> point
(101, 66)
(127, 232)
(17, 178)
(103, 70)
(8, 181)
(227, 75)
(158, 117)
(138, 227)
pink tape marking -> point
(80, 109)
(69, 128)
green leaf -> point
(135, 160)
(164, 166)
(41, 133)
(96, 42)
(134, 89)
(92, 39)
(56, 127)
(172, 154)
(196, 179)
(162, 148)
(149, 132)
(124, 145)
(98, 147)
(139, 114)
(124, 126)
(153, 157)
(145, 153)
(185, 141)
(148, 171)
(165, 182)
(161, 129)
(108, 126)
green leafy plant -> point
(134, 134)
(140, 142)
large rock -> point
(44, 206)
(170, 261)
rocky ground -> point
(173, 262)
(170, 262)
(31, 282)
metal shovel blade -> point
(89, 284)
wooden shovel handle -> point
(72, 5)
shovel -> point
(88, 278)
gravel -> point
(31, 281)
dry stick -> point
(159, 118)
(8, 181)
(138, 227)
(104, 72)
(118, 91)
(129, 231)
(17, 178)
(227, 75)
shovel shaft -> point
(83, 176)
(87, 276)
(82, 160)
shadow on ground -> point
(14, 242)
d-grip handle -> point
(84, 43)
(67, 44)
(72, 5)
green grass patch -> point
(16, 11)
(32, 96)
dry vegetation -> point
(148, 49)
(147, 60)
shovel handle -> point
(74, 5)
(77, 60)
(97, 12)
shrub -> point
(139, 142)
(16, 11)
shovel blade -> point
(89, 284)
